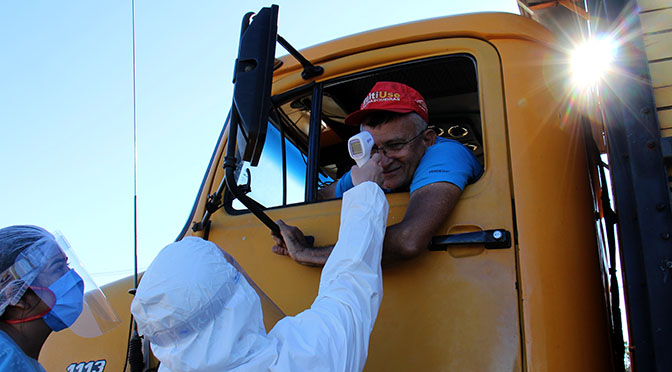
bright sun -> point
(591, 61)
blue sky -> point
(66, 108)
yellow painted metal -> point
(65, 348)
(485, 26)
(563, 309)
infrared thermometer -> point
(359, 147)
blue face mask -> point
(69, 292)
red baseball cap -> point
(390, 96)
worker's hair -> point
(381, 117)
(14, 239)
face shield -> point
(52, 271)
(201, 312)
(272, 313)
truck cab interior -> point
(449, 85)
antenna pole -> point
(135, 162)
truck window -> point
(266, 179)
(449, 85)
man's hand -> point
(293, 243)
(371, 171)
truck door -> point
(452, 309)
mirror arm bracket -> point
(309, 70)
(229, 168)
(214, 200)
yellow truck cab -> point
(518, 278)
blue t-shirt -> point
(445, 161)
(12, 358)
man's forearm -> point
(428, 209)
(400, 244)
(397, 246)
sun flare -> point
(591, 61)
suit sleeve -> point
(333, 335)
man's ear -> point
(430, 137)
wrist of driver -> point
(316, 255)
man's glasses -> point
(393, 148)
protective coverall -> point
(200, 316)
(12, 358)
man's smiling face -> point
(399, 165)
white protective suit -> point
(201, 315)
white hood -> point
(198, 311)
(200, 314)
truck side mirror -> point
(253, 78)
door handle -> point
(491, 239)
